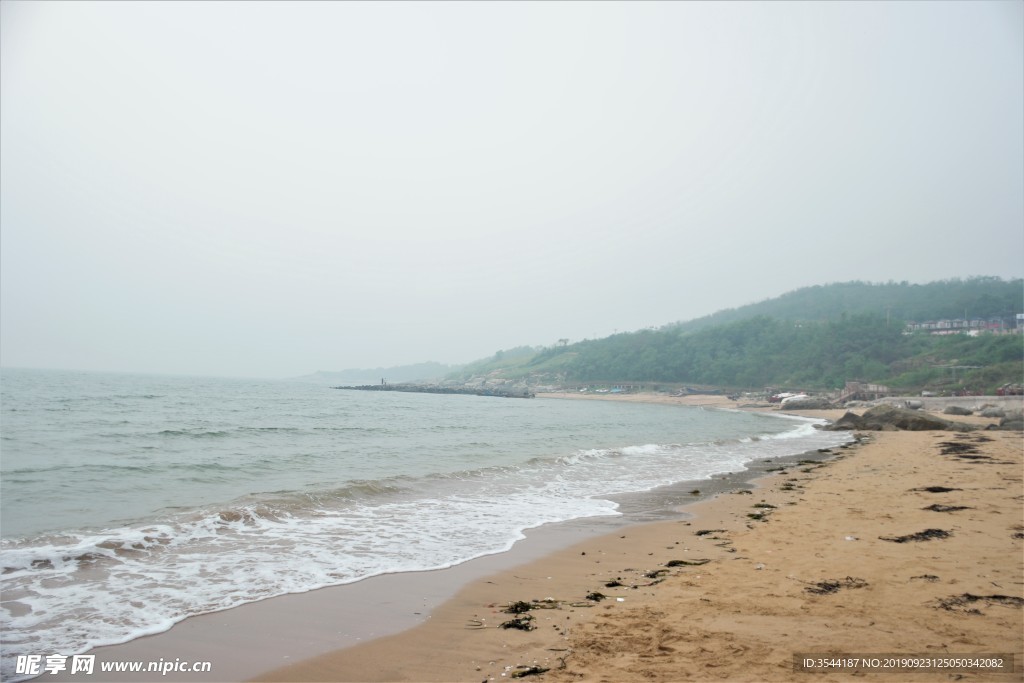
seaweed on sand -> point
(935, 507)
(686, 563)
(833, 585)
(523, 622)
(957, 448)
(926, 535)
(523, 672)
(967, 452)
(518, 607)
(958, 603)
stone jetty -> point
(502, 392)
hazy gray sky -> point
(268, 189)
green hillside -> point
(813, 338)
(979, 297)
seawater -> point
(131, 502)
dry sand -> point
(817, 573)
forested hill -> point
(813, 338)
(979, 297)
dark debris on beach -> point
(834, 585)
(525, 671)
(523, 622)
(926, 535)
(935, 507)
(686, 563)
(959, 603)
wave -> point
(298, 502)
(85, 467)
(195, 433)
(57, 554)
(200, 433)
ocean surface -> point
(129, 502)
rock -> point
(890, 418)
(957, 410)
(1013, 421)
(808, 404)
(993, 412)
(847, 421)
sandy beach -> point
(907, 543)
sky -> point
(264, 189)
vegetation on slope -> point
(978, 297)
(833, 341)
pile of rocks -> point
(890, 418)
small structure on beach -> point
(863, 391)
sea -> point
(131, 502)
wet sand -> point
(809, 562)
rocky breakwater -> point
(502, 392)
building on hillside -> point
(972, 326)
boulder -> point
(957, 410)
(993, 412)
(846, 422)
(891, 418)
(807, 404)
(1013, 421)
